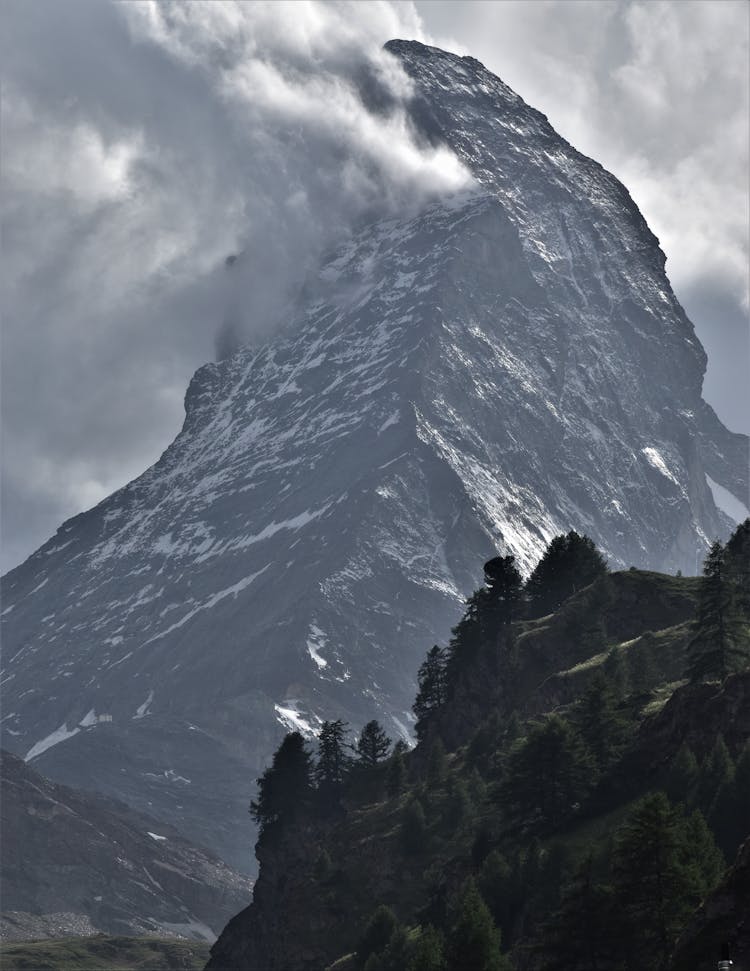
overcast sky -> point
(143, 143)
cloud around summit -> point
(144, 143)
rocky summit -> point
(503, 366)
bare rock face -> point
(696, 715)
(504, 366)
(75, 863)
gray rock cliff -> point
(74, 862)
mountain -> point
(546, 755)
(503, 366)
(78, 863)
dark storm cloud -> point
(143, 143)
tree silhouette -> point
(720, 644)
(284, 788)
(373, 744)
(503, 594)
(601, 726)
(432, 688)
(656, 881)
(569, 564)
(474, 941)
(333, 761)
(549, 774)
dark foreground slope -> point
(102, 953)
(76, 862)
(497, 368)
(572, 756)
(724, 916)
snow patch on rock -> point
(61, 734)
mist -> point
(172, 172)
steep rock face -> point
(75, 862)
(501, 367)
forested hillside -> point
(580, 785)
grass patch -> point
(661, 696)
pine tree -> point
(474, 941)
(641, 676)
(616, 673)
(284, 788)
(413, 828)
(432, 688)
(333, 761)
(701, 853)
(378, 932)
(498, 890)
(437, 765)
(656, 884)
(484, 840)
(601, 726)
(396, 953)
(373, 744)
(577, 936)
(534, 877)
(476, 786)
(682, 777)
(486, 740)
(569, 564)
(396, 775)
(488, 613)
(459, 808)
(557, 865)
(503, 597)
(720, 644)
(549, 774)
(738, 570)
(512, 729)
(717, 770)
(467, 638)
(429, 951)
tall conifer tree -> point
(373, 744)
(721, 643)
(474, 941)
(284, 788)
(569, 564)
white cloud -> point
(142, 144)
(658, 93)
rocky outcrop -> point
(556, 656)
(503, 366)
(696, 715)
(77, 863)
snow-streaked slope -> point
(506, 365)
